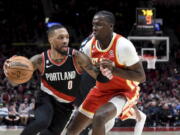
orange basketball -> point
(20, 69)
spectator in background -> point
(152, 111)
(166, 115)
(177, 57)
(3, 112)
(32, 104)
(5, 97)
(13, 116)
(32, 108)
(24, 111)
(177, 122)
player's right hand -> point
(5, 66)
(106, 63)
(106, 72)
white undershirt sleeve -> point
(126, 52)
(86, 48)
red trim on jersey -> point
(153, 129)
(92, 45)
(78, 69)
(54, 62)
(115, 53)
(42, 64)
(94, 41)
(126, 115)
(57, 93)
(136, 87)
(115, 41)
(106, 53)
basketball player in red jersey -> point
(118, 97)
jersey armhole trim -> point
(116, 52)
(42, 64)
(78, 69)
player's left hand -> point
(5, 66)
(106, 72)
(106, 63)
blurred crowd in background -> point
(23, 32)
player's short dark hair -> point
(108, 15)
(51, 29)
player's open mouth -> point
(64, 48)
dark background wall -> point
(24, 20)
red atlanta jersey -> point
(122, 52)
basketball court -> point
(147, 131)
(115, 131)
(17, 132)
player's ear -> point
(50, 40)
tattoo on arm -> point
(85, 62)
(39, 61)
(36, 61)
(90, 67)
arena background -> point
(23, 25)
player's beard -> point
(62, 51)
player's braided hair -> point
(108, 15)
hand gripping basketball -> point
(18, 69)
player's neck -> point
(104, 43)
(56, 56)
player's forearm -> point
(85, 62)
(129, 74)
(91, 70)
(97, 75)
(36, 61)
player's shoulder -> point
(124, 40)
(124, 43)
(86, 41)
(37, 58)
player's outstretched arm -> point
(134, 72)
(37, 62)
(85, 63)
